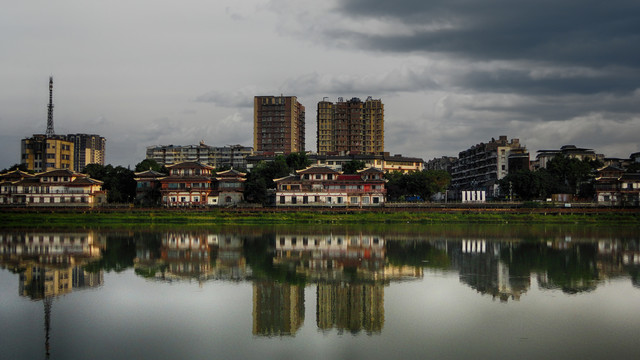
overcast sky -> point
(451, 73)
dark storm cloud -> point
(559, 82)
(590, 33)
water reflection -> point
(51, 264)
(348, 270)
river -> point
(343, 292)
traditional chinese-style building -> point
(51, 188)
(323, 186)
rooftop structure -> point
(569, 151)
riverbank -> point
(114, 217)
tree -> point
(21, 167)
(352, 167)
(118, 182)
(633, 168)
(260, 179)
(439, 179)
(418, 183)
(524, 184)
(297, 161)
(150, 164)
(571, 174)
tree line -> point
(562, 175)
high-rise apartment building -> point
(43, 153)
(88, 149)
(278, 124)
(351, 126)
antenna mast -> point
(50, 131)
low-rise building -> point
(230, 187)
(233, 156)
(568, 151)
(188, 184)
(323, 186)
(614, 187)
(443, 163)
(192, 184)
(148, 183)
(51, 188)
(384, 161)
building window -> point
(281, 199)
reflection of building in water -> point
(50, 247)
(482, 268)
(617, 258)
(278, 309)
(186, 255)
(350, 306)
(230, 261)
(324, 257)
(51, 264)
(202, 256)
(38, 281)
(570, 266)
(351, 273)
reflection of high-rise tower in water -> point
(352, 307)
(278, 309)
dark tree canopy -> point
(422, 184)
(150, 164)
(352, 167)
(118, 181)
(563, 175)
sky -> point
(451, 73)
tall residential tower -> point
(278, 124)
(351, 126)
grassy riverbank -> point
(161, 217)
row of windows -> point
(339, 241)
(330, 200)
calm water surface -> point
(321, 293)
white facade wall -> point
(287, 198)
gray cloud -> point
(450, 73)
(242, 98)
(576, 32)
